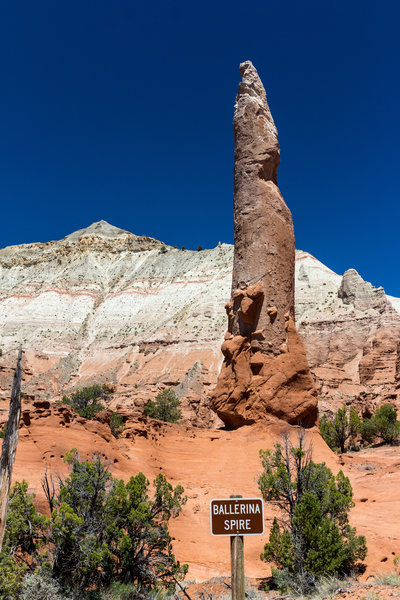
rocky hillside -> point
(104, 304)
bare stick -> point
(9, 447)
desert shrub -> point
(3, 431)
(123, 591)
(105, 539)
(25, 535)
(78, 524)
(26, 529)
(368, 431)
(312, 538)
(40, 586)
(116, 424)
(11, 574)
(383, 424)
(128, 591)
(387, 427)
(86, 401)
(199, 248)
(139, 529)
(391, 578)
(164, 407)
(106, 531)
(344, 426)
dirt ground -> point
(219, 588)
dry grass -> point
(392, 579)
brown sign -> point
(237, 516)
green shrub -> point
(11, 575)
(383, 424)
(342, 427)
(101, 532)
(105, 530)
(25, 532)
(105, 539)
(123, 591)
(3, 431)
(86, 401)
(25, 535)
(368, 431)
(313, 538)
(387, 427)
(116, 424)
(164, 407)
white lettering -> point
(236, 508)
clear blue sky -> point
(122, 111)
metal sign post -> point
(237, 516)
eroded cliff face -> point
(352, 332)
(265, 371)
(103, 304)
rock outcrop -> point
(361, 294)
(265, 370)
(351, 331)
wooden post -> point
(9, 447)
(237, 564)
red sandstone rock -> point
(265, 371)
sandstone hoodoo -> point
(265, 369)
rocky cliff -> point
(105, 304)
(352, 332)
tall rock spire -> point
(264, 238)
(265, 371)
